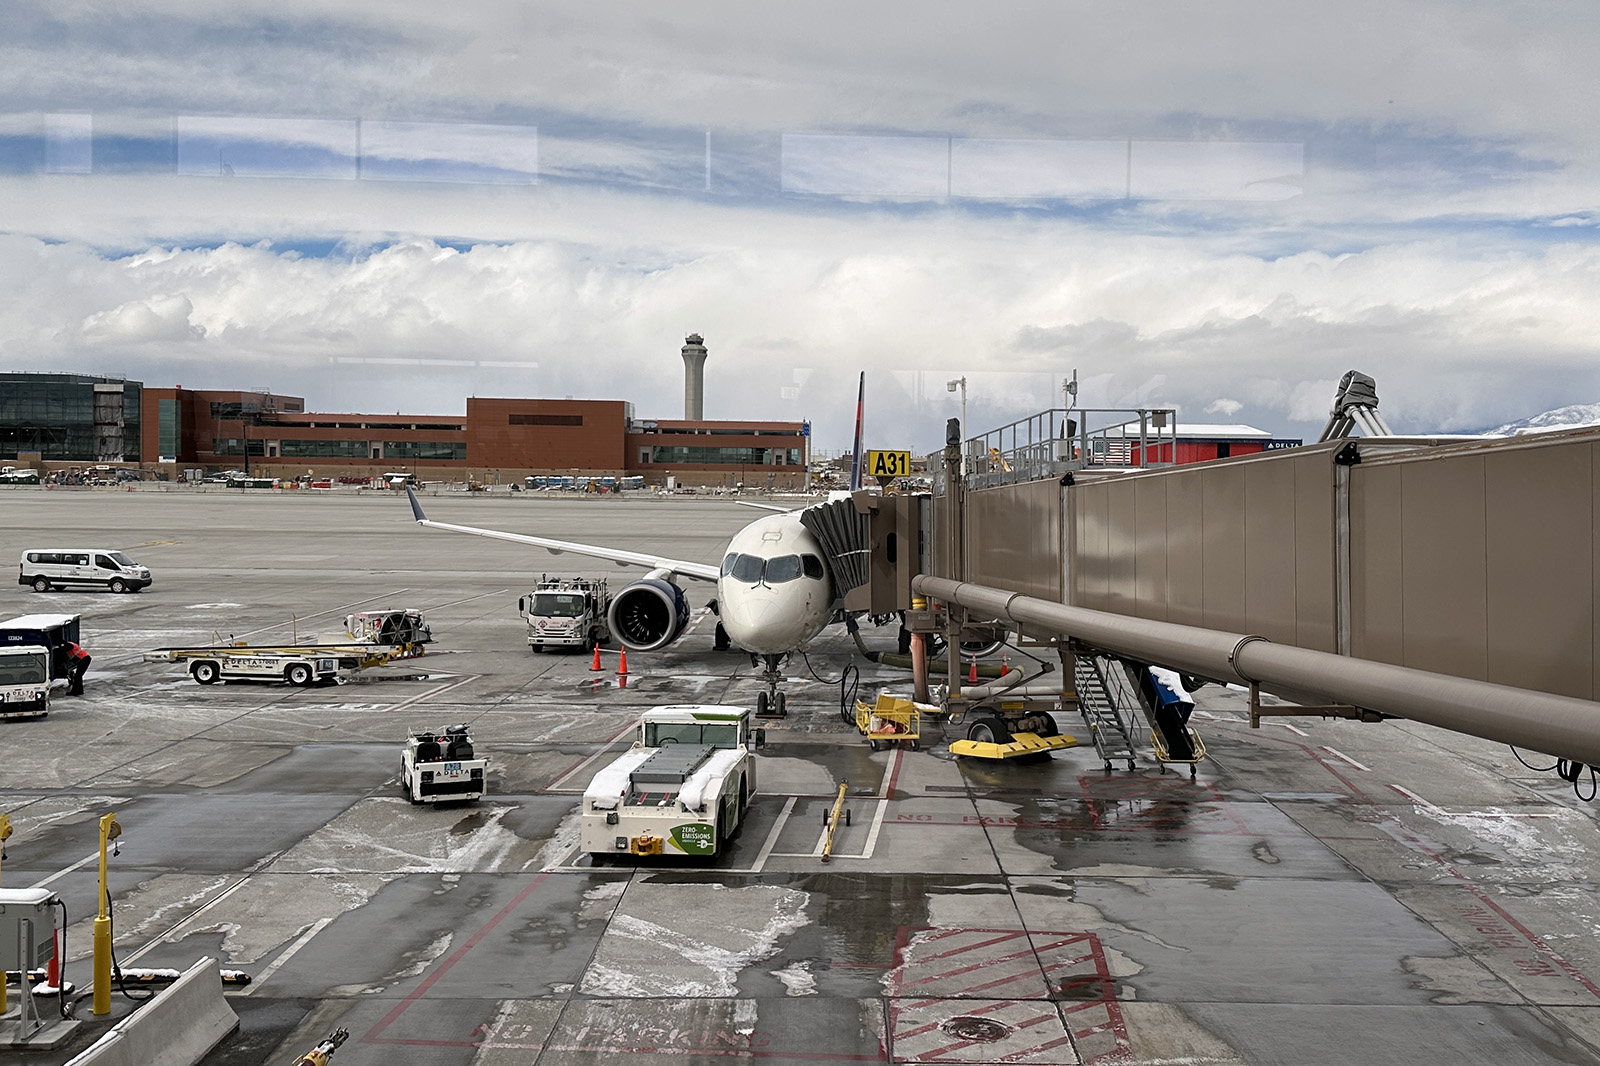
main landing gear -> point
(770, 703)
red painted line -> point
(962, 1045)
(897, 761)
(930, 1026)
(965, 947)
(455, 957)
(1019, 1055)
(1529, 935)
(967, 991)
(984, 965)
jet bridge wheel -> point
(988, 731)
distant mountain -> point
(1573, 416)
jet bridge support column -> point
(956, 522)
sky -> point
(1215, 207)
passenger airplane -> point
(775, 592)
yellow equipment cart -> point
(892, 720)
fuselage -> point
(774, 594)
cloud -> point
(522, 199)
(160, 318)
(1458, 336)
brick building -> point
(500, 439)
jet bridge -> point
(1451, 580)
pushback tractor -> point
(682, 789)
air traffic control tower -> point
(694, 378)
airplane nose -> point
(758, 620)
(743, 616)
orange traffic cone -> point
(596, 664)
(972, 674)
(622, 668)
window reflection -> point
(747, 568)
(775, 571)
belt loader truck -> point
(682, 789)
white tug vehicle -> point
(682, 789)
(441, 767)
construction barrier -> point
(179, 1027)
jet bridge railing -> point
(1062, 440)
(1561, 726)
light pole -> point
(950, 386)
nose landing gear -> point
(770, 703)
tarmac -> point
(1322, 891)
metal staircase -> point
(1106, 726)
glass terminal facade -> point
(70, 417)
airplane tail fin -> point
(858, 459)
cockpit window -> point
(775, 571)
(783, 568)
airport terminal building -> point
(67, 419)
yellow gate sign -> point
(888, 465)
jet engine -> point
(649, 614)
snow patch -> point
(704, 954)
(436, 948)
(798, 979)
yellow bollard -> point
(109, 831)
(833, 822)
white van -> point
(75, 567)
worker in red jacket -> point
(77, 665)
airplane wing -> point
(695, 571)
(767, 506)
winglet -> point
(416, 508)
(855, 462)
